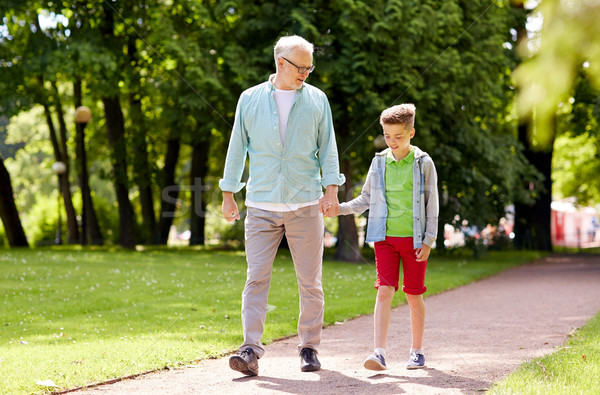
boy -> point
(401, 194)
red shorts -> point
(388, 255)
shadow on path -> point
(331, 381)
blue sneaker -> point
(416, 361)
(375, 362)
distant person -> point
(592, 229)
(285, 127)
(402, 197)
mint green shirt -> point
(292, 172)
(399, 194)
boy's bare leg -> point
(383, 310)
(417, 319)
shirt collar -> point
(272, 86)
(407, 159)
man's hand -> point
(423, 253)
(229, 207)
(329, 203)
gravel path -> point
(475, 335)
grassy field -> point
(82, 316)
(573, 369)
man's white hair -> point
(288, 44)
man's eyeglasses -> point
(301, 70)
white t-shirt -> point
(284, 100)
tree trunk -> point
(197, 175)
(170, 190)
(8, 211)
(532, 221)
(90, 228)
(347, 239)
(141, 167)
(115, 128)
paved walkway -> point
(475, 335)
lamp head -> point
(59, 167)
(83, 114)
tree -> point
(170, 191)
(115, 127)
(135, 68)
(456, 69)
(567, 41)
(195, 99)
(576, 161)
(8, 211)
(532, 219)
(449, 58)
(36, 76)
(168, 76)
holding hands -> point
(328, 208)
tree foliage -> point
(162, 80)
(576, 162)
(568, 39)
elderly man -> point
(285, 126)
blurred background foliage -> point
(494, 83)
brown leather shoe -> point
(245, 361)
(308, 360)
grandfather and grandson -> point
(285, 127)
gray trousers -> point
(263, 232)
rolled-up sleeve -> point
(236, 154)
(432, 205)
(328, 153)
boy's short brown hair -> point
(403, 114)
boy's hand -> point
(333, 210)
(423, 253)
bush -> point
(41, 220)
(107, 213)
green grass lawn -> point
(82, 316)
(573, 369)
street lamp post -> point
(59, 168)
(83, 115)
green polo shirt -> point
(399, 195)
